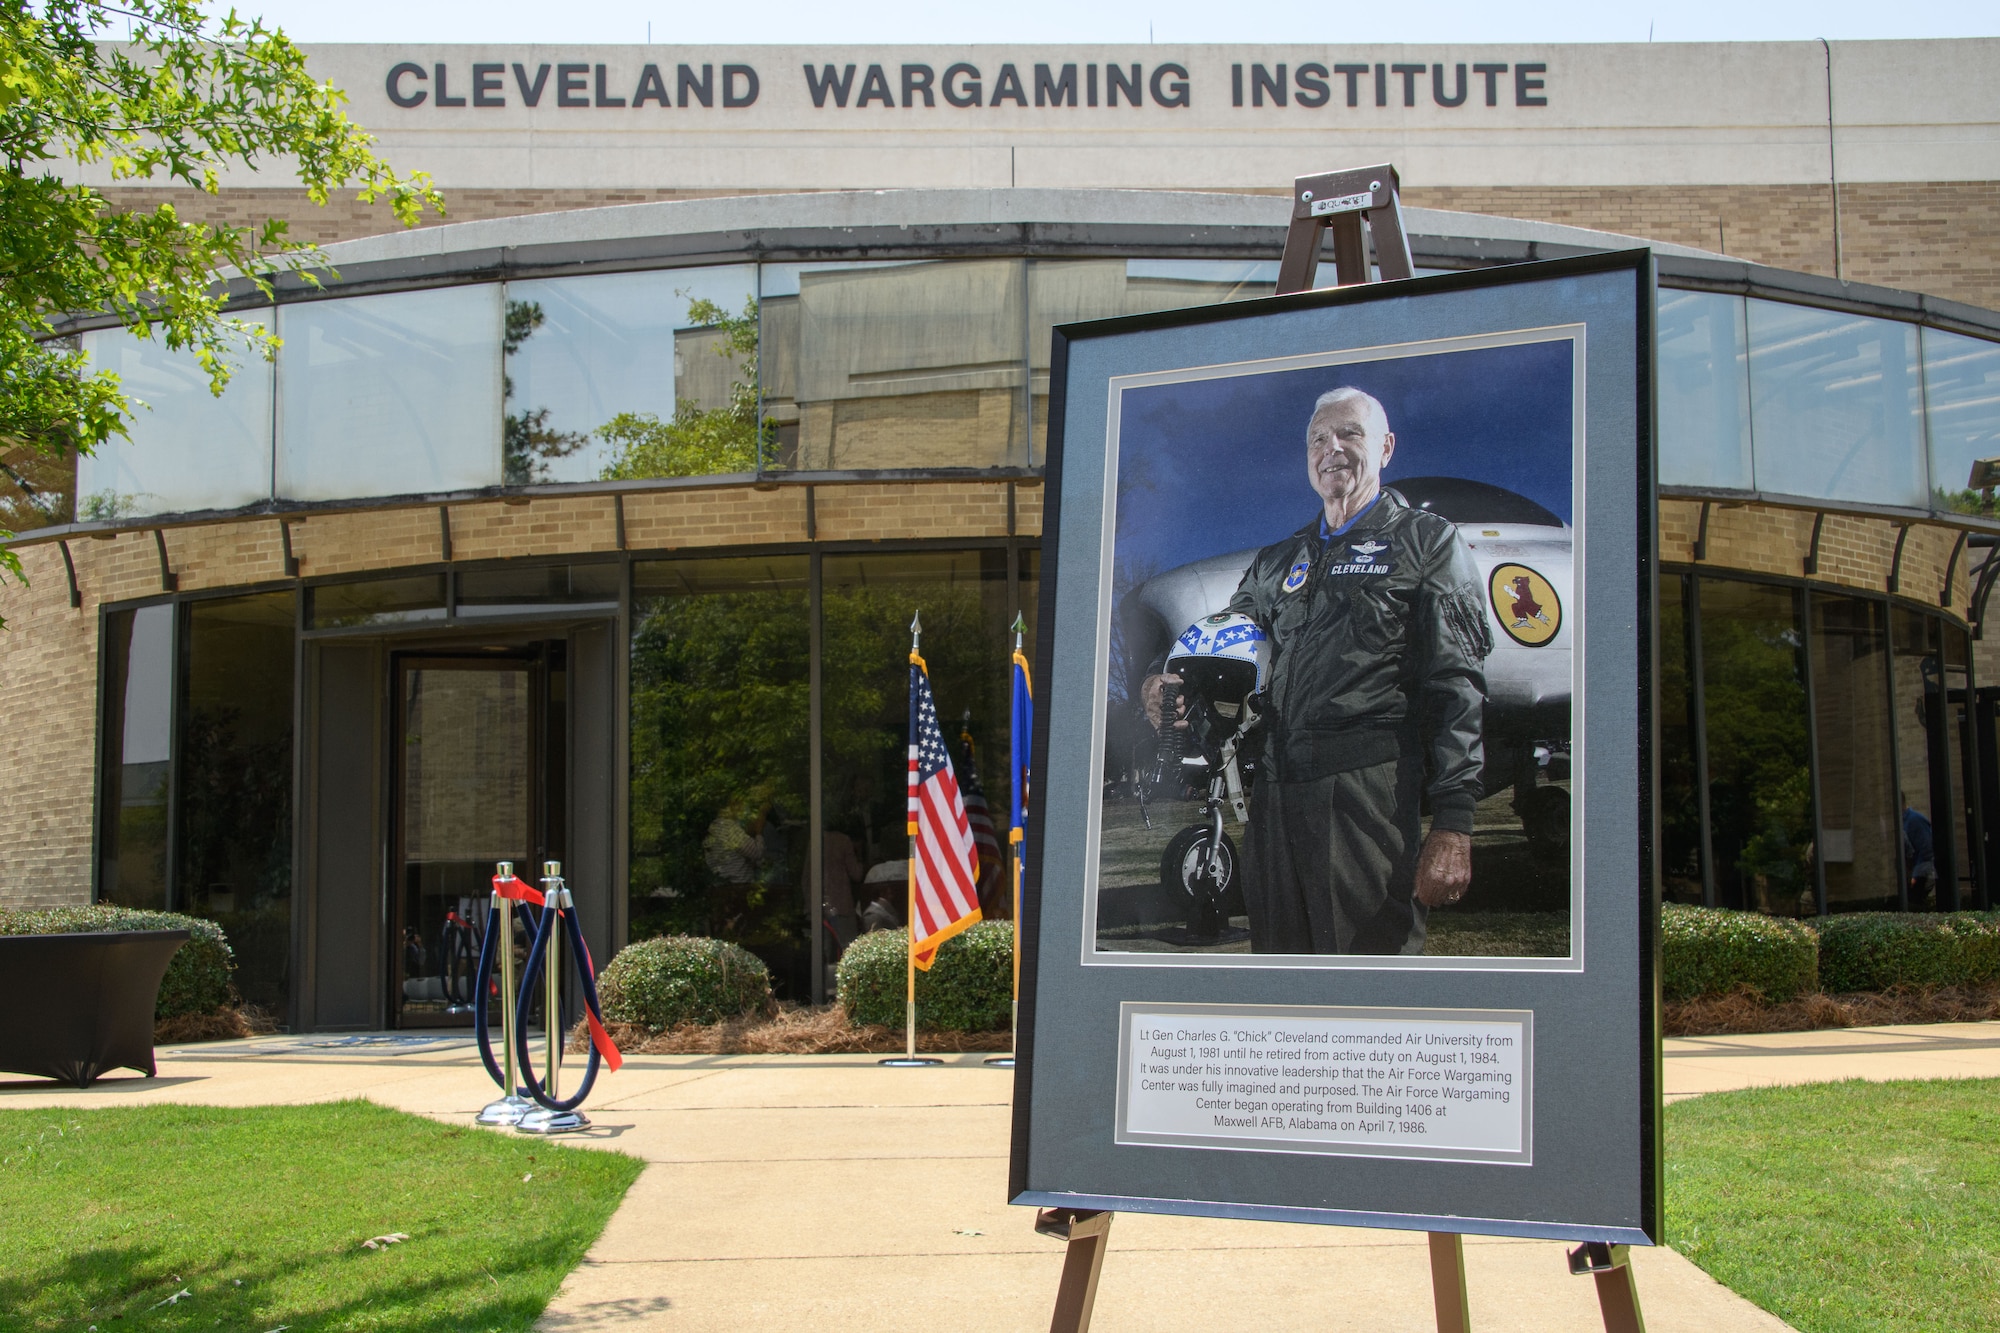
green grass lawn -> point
(259, 1215)
(1845, 1207)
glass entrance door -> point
(471, 735)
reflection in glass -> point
(1923, 763)
(719, 762)
(1065, 291)
(1704, 390)
(1961, 763)
(390, 395)
(1857, 813)
(524, 589)
(895, 365)
(137, 731)
(1680, 806)
(867, 602)
(1760, 792)
(1836, 406)
(36, 491)
(376, 602)
(464, 768)
(233, 851)
(187, 448)
(1962, 397)
(631, 375)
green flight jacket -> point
(1378, 639)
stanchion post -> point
(541, 1120)
(1610, 1266)
(511, 1106)
(1448, 1294)
(1086, 1232)
(552, 1032)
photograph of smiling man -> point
(1340, 677)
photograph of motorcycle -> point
(1213, 675)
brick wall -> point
(48, 678)
(1853, 552)
(1940, 237)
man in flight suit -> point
(1375, 699)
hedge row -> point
(1878, 950)
(970, 988)
(1713, 951)
(197, 980)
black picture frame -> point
(1590, 1186)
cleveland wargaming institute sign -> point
(448, 85)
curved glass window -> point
(1846, 750)
(900, 365)
(1962, 402)
(1836, 407)
(1759, 751)
(1065, 291)
(1851, 729)
(187, 448)
(720, 757)
(631, 375)
(1704, 380)
(389, 395)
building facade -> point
(590, 530)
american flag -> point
(984, 837)
(944, 863)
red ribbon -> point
(517, 889)
(599, 1037)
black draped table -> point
(79, 1005)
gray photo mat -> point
(1574, 334)
(1594, 1160)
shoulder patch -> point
(1295, 579)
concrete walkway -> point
(829, 1193)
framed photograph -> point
(1335, 911)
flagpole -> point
(1018, 746)
(910, 1056)
(910, 883)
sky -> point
(1208, 466)
(1065, 21)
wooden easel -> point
(1340, 201)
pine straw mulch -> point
(789, 1030)
(227, 1023)
(1744, 1012)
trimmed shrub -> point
(671, 980)
(1878, 950)
(970, 988)
(197, 980)
(1713, 951)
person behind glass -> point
(734, 851)
(1375, 701)
(1919, 854)
(840, 871)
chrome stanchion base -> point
(999, 1061)
(506, 1111)
(908, 1061)
(540, 1121)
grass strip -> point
(1844, 1207)
(258, 1215)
